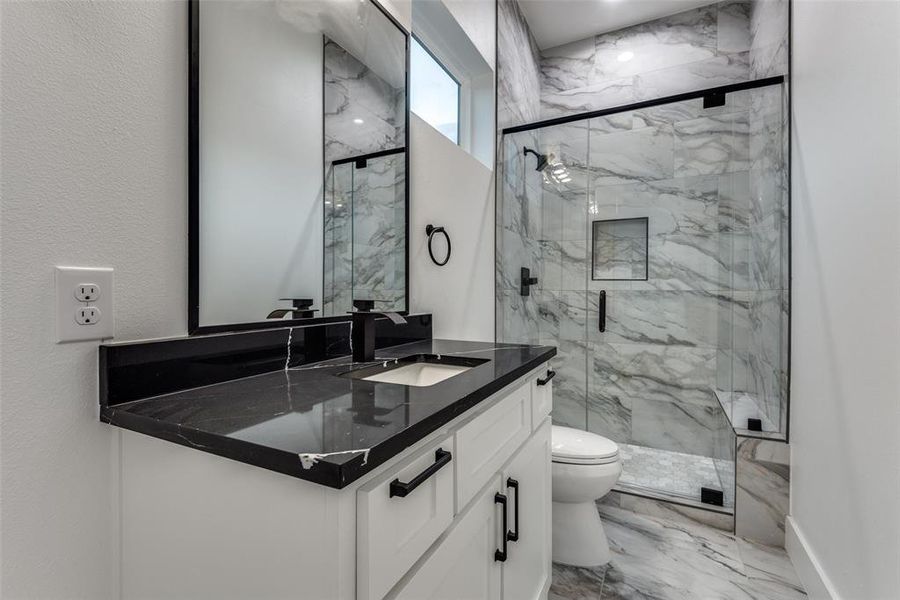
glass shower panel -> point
(752, 385)
(542, 227)
(338, 230)
(379, 231)
(365, 229)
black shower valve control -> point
(526, 282)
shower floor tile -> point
(674, 473)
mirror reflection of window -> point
(434, 92)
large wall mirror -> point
(298, 175)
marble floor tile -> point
(662, 559)
(576, 583)
(767, 563)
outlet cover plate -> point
(67, 280)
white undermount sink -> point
(418, 374)
(418, 370)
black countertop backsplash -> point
(307, 421)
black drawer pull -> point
(513, 536)
(546, 380)
(500, 555)
(602, 310)
(399, 488)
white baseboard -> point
(808, 568)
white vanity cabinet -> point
(472, 562)
(428, 524)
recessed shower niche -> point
(619, 249)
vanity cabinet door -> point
(400, 515)
(463, 565)
(526, 573)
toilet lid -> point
(581, 447)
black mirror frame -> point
(194, 327)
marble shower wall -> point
(712, 315)
(705, 47)
(518, 68)
(353, 91)
(365, 211)
(769, 46)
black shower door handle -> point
(602, 310)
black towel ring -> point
(430, 230)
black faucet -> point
(301, 309)
(362, 332)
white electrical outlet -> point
(84, 304)
(87, 292)
(88, 315)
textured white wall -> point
(478, 20)
(93, 157)
(451, 188)
(845, 403)
(93, 147)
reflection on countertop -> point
(311, 423)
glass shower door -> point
(658, 237)
(541, 226)
(656, 283)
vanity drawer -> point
(392, 529)
(486, 442)
(542, 395)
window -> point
(434, 92)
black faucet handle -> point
(364, 305)
(526, 281)
(298, 302)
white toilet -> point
(585, 467)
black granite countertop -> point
(310, 422)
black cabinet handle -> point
(513, 536)
(399, 488)
(546, 380)
(500, 555)
(602, 310)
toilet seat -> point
(576, 447)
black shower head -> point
(542, 159)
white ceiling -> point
(556, 22)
